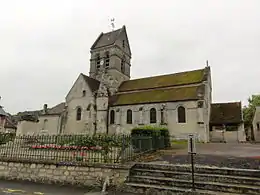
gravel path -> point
(215, 160)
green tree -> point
(248, 111)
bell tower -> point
(111, 58)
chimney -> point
(45, 108)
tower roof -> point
(109, 38)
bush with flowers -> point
(102, 143)
(60, 147)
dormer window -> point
(107, 60)
(83, 93)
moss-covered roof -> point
(156, 95)
(226, 113)
(181, 78)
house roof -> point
(56, 110)
(2, 112)
(177, 79)
(92, 83)
(226, 113)
(34, 115)
(157, 95)
(9, 124)
(106, 39)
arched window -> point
(78, 114)
(181, 114)
(129, 116)
(112, 117)
(107, 59)
(45, 124)
(152, 115)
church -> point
(109, 101)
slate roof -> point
(181, 86)
(226, 113)
(106, 39)
(93, 83)
(2, 112)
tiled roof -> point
(157, 95)
(92, 83)
(106, 39)
(181, 86)
(177, 79)
(226, 113)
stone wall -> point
(228, 136)
(74, 100)
(256, 124)
(47, 124)
(88, 176)
(171, 118)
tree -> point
(248, 111)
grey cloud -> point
(45, 44)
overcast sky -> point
(44, 45)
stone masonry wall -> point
(89, 176)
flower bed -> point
(60, 147)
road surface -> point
(27, 188)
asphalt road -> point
(27, 188)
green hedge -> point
(6, 137)
(159, 135)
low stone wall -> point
(88, 176)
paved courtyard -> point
(243, 155)
(227, 149)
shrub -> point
(159, 135)
(6, 137)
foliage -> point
(150, 127)
(248, 111)
(159, 135)
(6, 137)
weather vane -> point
(112, 23)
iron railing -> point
(72, 148)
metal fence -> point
(73, 148)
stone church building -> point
(108, 101)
